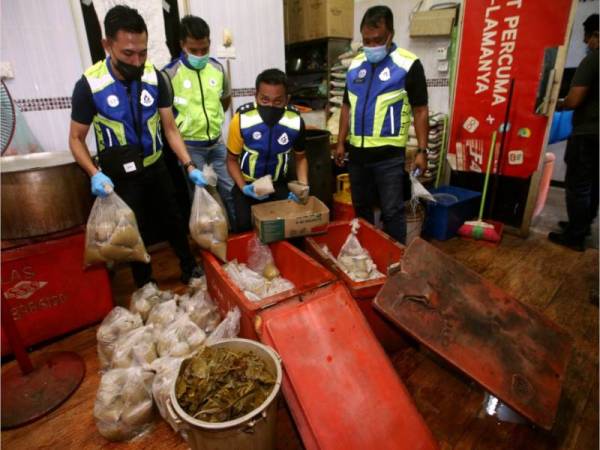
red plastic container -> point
(304, 272)
(48, 292)
(384, 251)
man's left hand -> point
(420, 162)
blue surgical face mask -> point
(376, 54)
(197, 62)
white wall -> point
(39, 39)
(424, 48)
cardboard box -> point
(284, 219)
(314, 19)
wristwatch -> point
(190, 163)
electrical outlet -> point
(442, 66)
(442, 53)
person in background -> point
(581, 156)
(126, 100)
(201, 95)
(383, 84)
(261, 137)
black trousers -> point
(581, 183)
(151, 196)
(243, 204)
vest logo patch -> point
(385, 74)
(212, 82)
(113, 101)
(146, 98)
(362, 73)
(283, 139)
(187, 84)
(256, 135)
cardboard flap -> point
(341, 387)
(510, 349)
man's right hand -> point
(340, 153)
(249, 191)
(101, 185)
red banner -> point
(504, 40)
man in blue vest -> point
(383, 85)
(262, 136)
(126, 99)
(201, 95)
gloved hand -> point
(294, 197)
(249, 191)
(101, 185)
(197, 178)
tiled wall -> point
(40, 41)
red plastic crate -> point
(384, 251)
(303, 271)
(48, 292)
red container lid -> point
(341, 388)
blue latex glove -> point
(249, 191)
(101, 185)
(197, 178)
(294, 197)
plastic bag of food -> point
(254, 285)
(112, 233)
(146, 297)
(260, 259)
(135, 348)
(300, 190)
(201, 310)
(180, 338)
(354, 259)
(263, 185)
(210, 176)
(123, 407)
(163, 314)
(166, 370)
(208, 225)
(228, 328)
(117, 323)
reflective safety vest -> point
(379, 108)
(126, 117)
(197, 105)
(266, 149)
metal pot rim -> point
(34, 161)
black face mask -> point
(270, 114)
(129, 71)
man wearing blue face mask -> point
(201, 95)
(383, 85)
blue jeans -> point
(380, 180)
(217, 156)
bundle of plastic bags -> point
(146, 298)
(112, 233)
(135, 348)
(201, 310)
(117, 323)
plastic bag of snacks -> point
(355, 260)
(180, 338)
(112, 233)
(135, 348)
(146, 298)
(117, 323)
(201, 310)
(260, 259)
(208, 225)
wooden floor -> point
(556, 281)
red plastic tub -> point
(384, 251)
(303, 271)
(47, 291)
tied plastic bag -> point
(112, 233)
(163, 314)
(135, 348)
(180, 338)
(117, 323)
(418, 191)
(301, 190)
(354, 260)
(208, 225)
(260, 259)
(228, 328)
(210, 176)
(166, 370)
(146, 297)
(255, 286)
(123, 407)
(201, 310)
(263, 185)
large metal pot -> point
(42, 193)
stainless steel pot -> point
(42, 193)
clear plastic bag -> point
(166, 370)
(255, 286)
(163, 314)
(112, 233)
(135, 348)
(210, 176)
(180, 338)
(260, 259)
(123, 408)
(228, 328)
(201, 310)
(418, 191)
(355, 260)
(117, 323)
(208, 225)
(146, 297)
(263, 185)
(299, 189)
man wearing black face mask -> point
(261, 136)
(126, 100)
